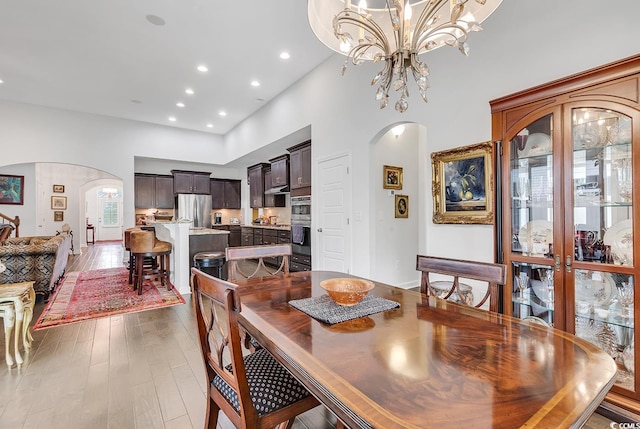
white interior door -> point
(334, 203)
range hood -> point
(277, 190)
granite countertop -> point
(280, 227)
(204, 231)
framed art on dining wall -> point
(58, 203)
(391, 177)
(463, 185)
(58, 216)
(11, 189)
(402, 206)
(58, 189)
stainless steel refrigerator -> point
(196, 208)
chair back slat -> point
(236, 254)
(493, 274)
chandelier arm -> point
(445, 29)
(426, 15)
(396, 34)
(360, 50)
(370, 26)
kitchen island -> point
(186, 242)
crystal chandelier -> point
(387, 32)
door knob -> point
(319, 229)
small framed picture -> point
(58, 216)
(58, 203)
(402, 206)
(58, 189)
(391, 177)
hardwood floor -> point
(139, 370)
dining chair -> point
(236, 254)
(495, 275)
(254, 391)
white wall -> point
(525, 43)
(394, 241)
(40, 134)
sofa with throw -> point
(42, 260)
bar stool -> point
(211, 263)
(127, 247)
(145, 245)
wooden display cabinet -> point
(568, 177)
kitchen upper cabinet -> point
(164, 192)
(153, 191)
(191, 182)
(279, 171)
(225, 194)
(272, 200)
(255, 175)
(569, 175)
(300, 167)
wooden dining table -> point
(428, 363)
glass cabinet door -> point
(532, 204)
(603, 234)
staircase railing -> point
(15, 221)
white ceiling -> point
(105, 57)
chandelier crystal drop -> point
(395, 33)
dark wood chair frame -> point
(236, 254)
(209, 291)
(494, 274)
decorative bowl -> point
(347, 291)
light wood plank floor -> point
(140, 370)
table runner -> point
(324, 309)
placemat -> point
(324, 309)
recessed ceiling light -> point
(136, 101)
(180, 104)
(209, 125)
(202, 68)
(189, 91)
(172, 118)
(285, 55)
(255, 83)
(259, 100)
(155, 20)
(222, 113)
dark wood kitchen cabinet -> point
(272, 200)
(191, 182)
(255, 175)
(279, 171)
(300, 168)
(225, 194)
(153, 191)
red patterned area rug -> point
(87, 295)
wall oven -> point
(301, 233)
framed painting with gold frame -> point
(463, 185)
(58, 216)
(402, 206)
(391, 177)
